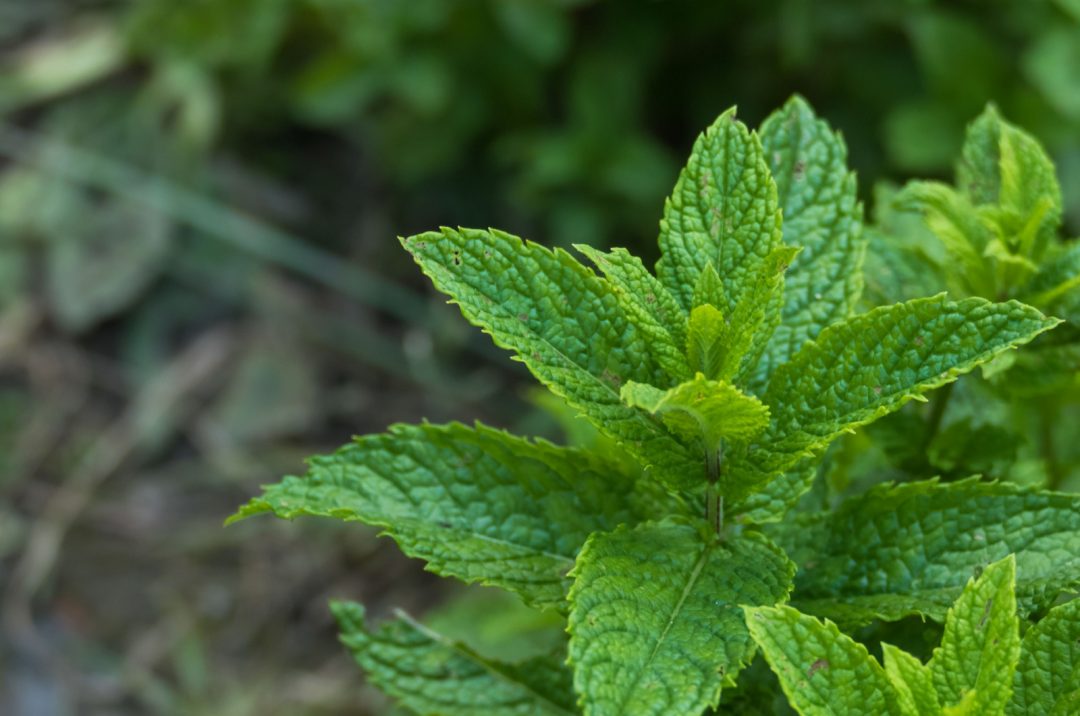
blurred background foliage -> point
(199, 282)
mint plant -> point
(981, 666)
(721, 378)
(995, 233)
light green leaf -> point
(435, 676)
(655, 621)
(871, 365)
(706, 342)
(981, 644)
(475, 503)
(901, 550)
(723, 211)
(913, 681)
(965, 234)
(904, 260)
(756, 315)
(1003, 165)
(821, 670)
(704, 412)
(1057, 276)
(567, 326)
(649, 305)
(708, 290)
(822, 214)
(1048, 675)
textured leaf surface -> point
(909, 549)
(655, 619)
(1048, 675)
(870, 365)
(821, 670)
(477, 504)
(708, 290)
(1001, 164)
(780, 495)
(756, 315)
(723, 211)
(707, 347)
(981, 645)
(702, 409)
(649, 305)
(435, 676)
(822, 215)
(566, 324)
(706, 413)
(912, 680)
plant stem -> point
(714, 502)
(937, 413)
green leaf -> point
(871, 365)
(821, 670)
(706, 342)
(1045, 370)
(756, 316)
(965, 234)
(904, 260)
(822, 214)
(567, 326)
(902, 550)
(780, 495)
(655, 625)
(704, 412)
(435, 676)
(649, 305)
(1048, 675)
(981, 645)
(723, 211)
(1057, 276)
(475, 503)
(1003, 165)
(708, 290)
(912, 680)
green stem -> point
(937, 413)
(1054, 474)
(714, 501)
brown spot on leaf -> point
(611, 378)
(523, 316)
(799, 170)
(817, 666)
